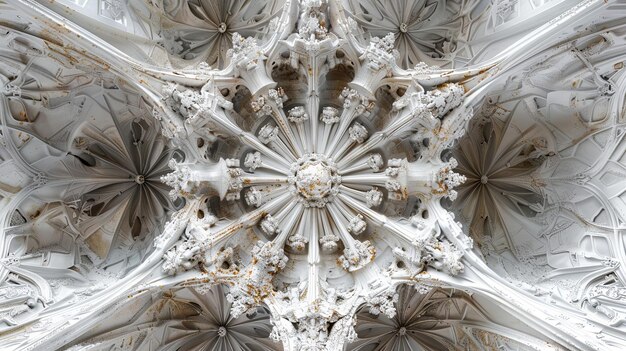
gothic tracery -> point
(312, 175)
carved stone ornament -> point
(313, 175)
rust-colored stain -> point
(35, 214)
(230, 230)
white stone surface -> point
(312, 175)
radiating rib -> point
(313, 102)
(247, 220)
(264, 179)
(379, 219)
(278, 114)
(376, 179)
(347, 116)
(287, 218)
(372, 162)
(340, 224)
(314, 235)
(248, 138)
(397, 126)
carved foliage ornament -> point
(283, 177)
(317, 183)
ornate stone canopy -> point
(315, 175)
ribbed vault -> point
(313, 175)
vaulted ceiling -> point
(313, 175)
